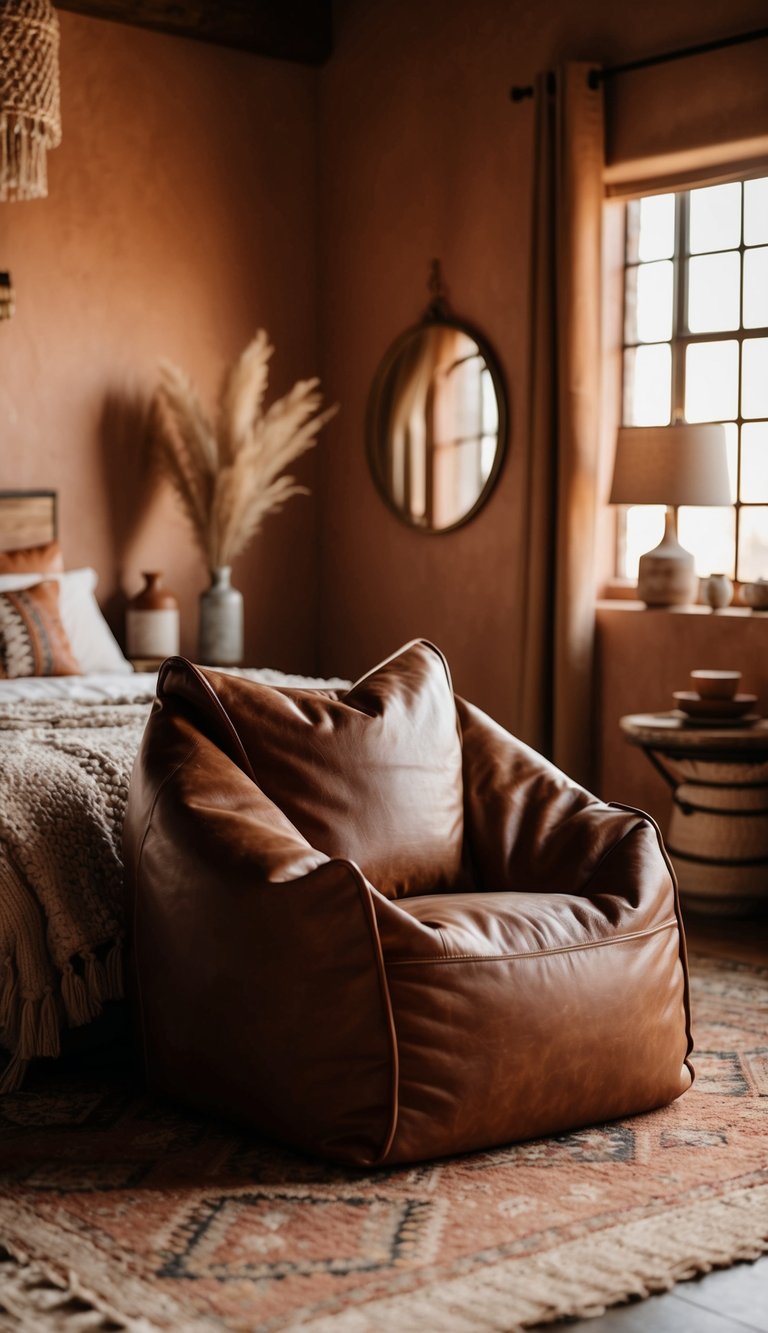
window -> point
(696, 349)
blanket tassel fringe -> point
(77, 1002)
(95, 979)
(31, 1023)
(9, 999)
(12, 1076)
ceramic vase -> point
(717, 591)
(221, 621)
(152, 621)
(756, 595)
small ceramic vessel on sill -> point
(717, 591)
(756, 595)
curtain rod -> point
(598, 76)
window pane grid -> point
(732, 362)
(712, 335)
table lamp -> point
(671, 465)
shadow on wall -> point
(125, 434)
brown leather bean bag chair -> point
(378, 927)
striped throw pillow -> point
(33, 641)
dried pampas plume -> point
(230, 475)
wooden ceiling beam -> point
(298, 30)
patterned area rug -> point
(119, 1212)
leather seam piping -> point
(534, 953)
(381, 972)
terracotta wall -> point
(181, 217)
(200, 193)
(423, 154)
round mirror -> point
(437, 424)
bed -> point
(67, 744)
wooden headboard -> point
(27, 518)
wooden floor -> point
(733, 1299)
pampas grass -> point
(230, 473)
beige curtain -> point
(558, 594)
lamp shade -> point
(671, 465)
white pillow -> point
(93, 642)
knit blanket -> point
(64, 773)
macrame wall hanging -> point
(30, 121)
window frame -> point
(682, 337)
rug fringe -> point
(37, 1297)
(581, 1279)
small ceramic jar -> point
(717, 591)
(756, 595)
(152, 622)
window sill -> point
(620, 590)
(624, 592)
(616, 604)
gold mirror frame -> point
(411, 380)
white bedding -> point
(98, 687)
(111, 687)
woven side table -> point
(718, 833)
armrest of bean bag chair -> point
(531, 829)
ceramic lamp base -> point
(666, 575)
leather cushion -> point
(44, 559)
(373, 776)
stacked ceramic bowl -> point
(713, 701)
